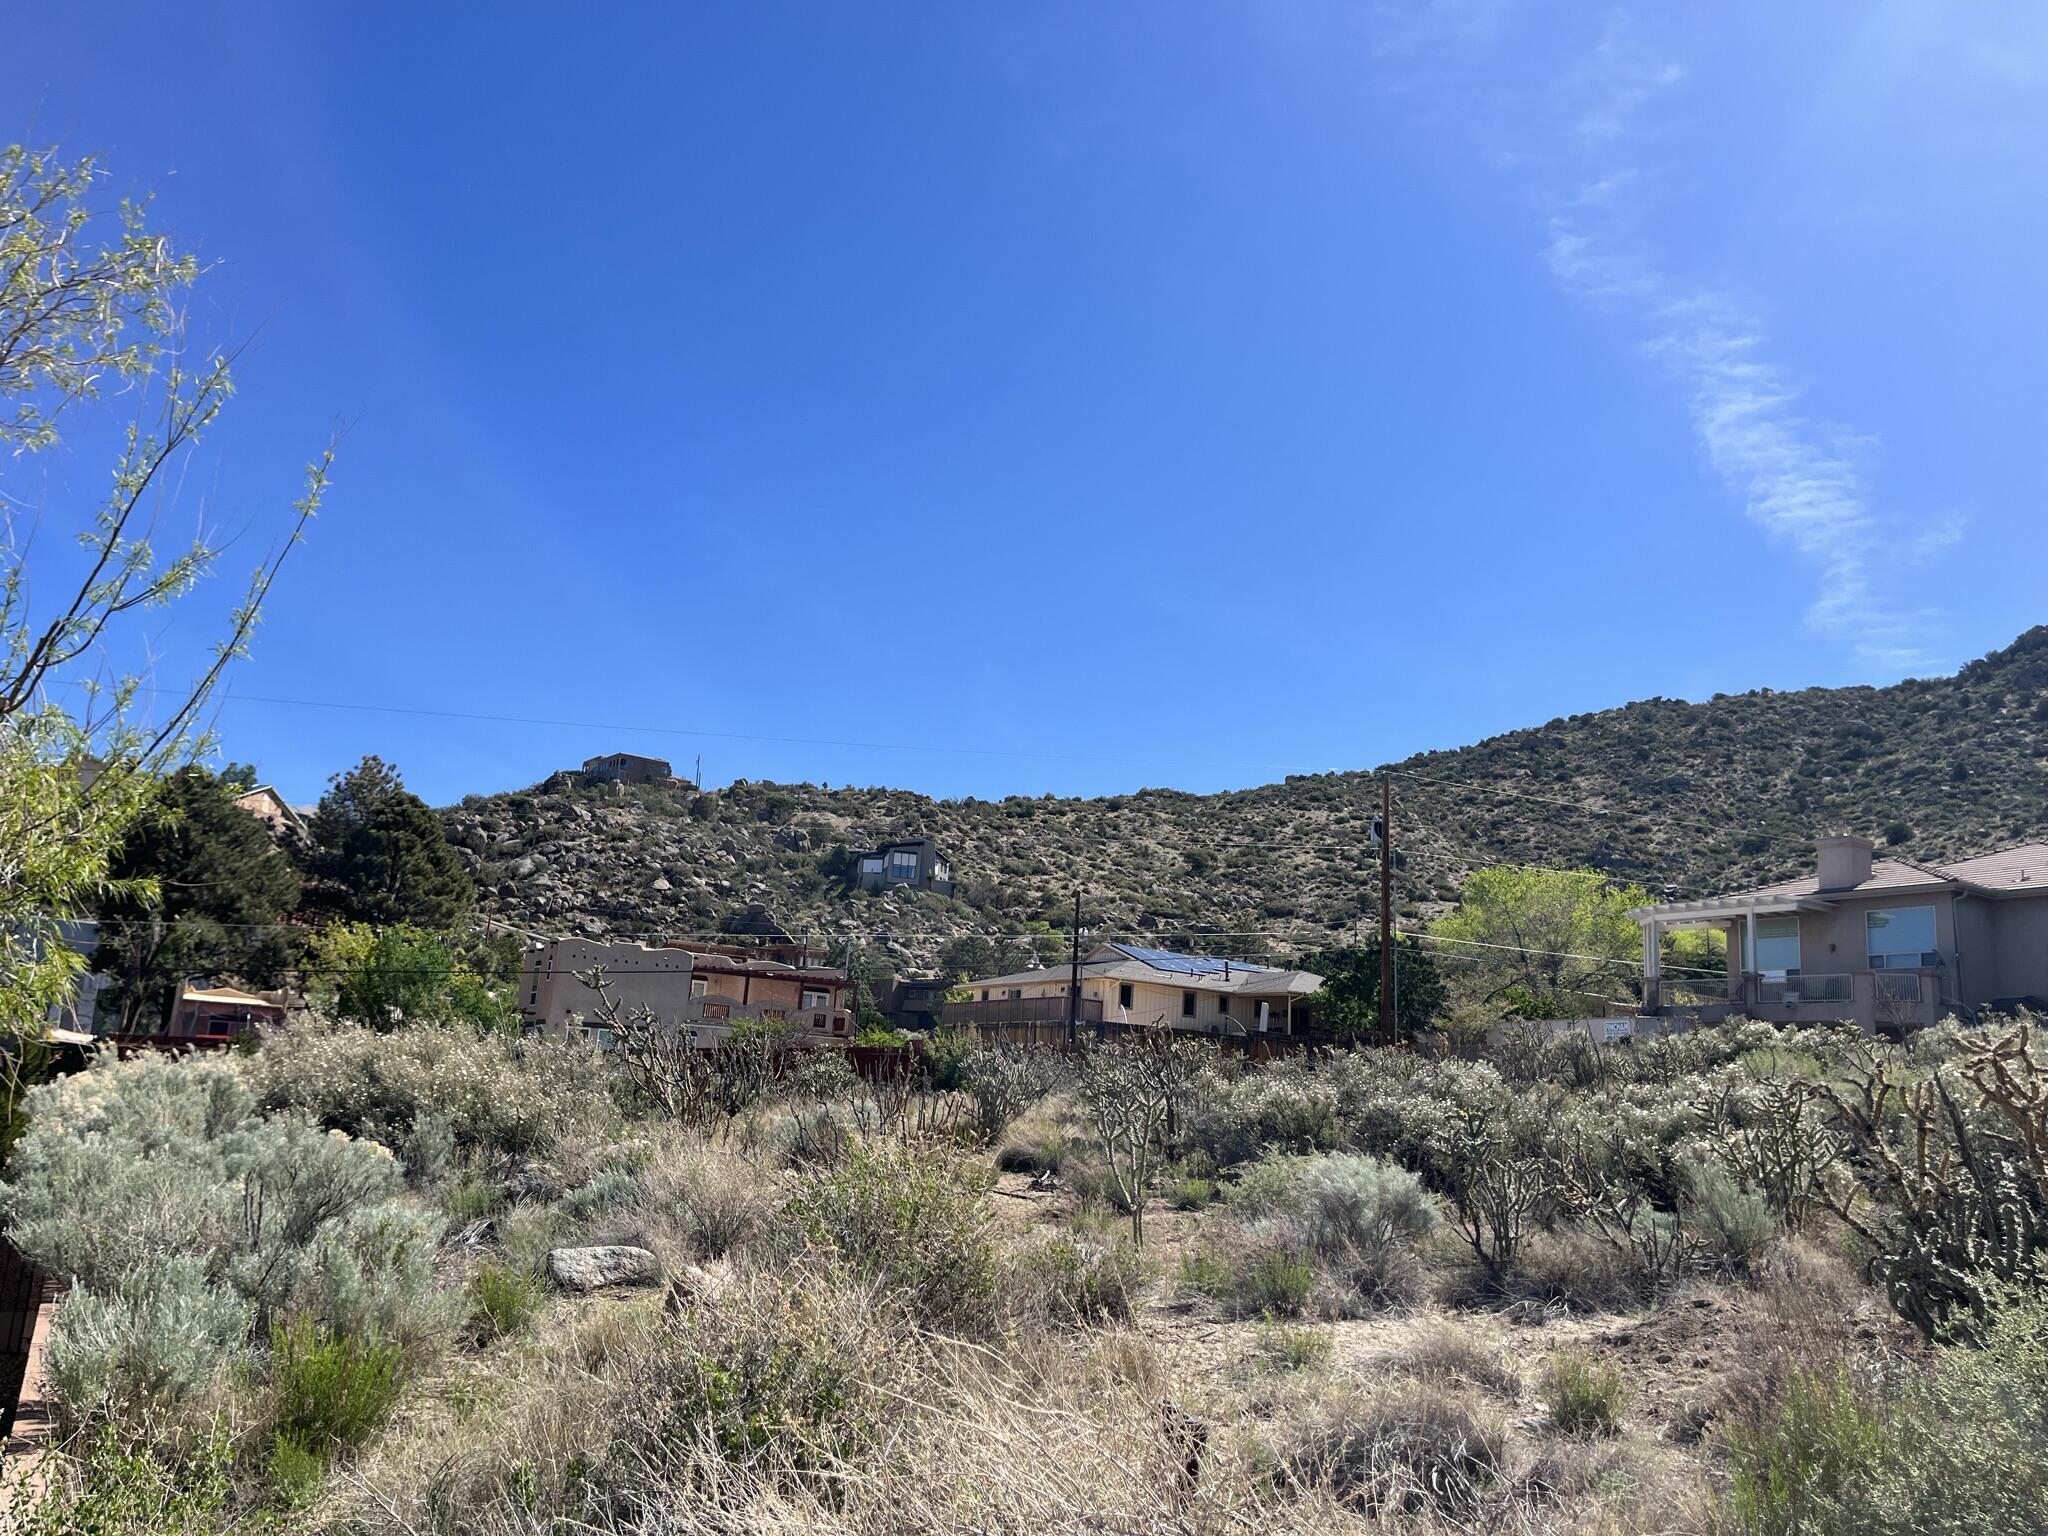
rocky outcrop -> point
(590, 1269)
(1703, 796)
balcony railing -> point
(1795, 991)
(1018, 1010)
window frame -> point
(1759, 938)
(1903, 959)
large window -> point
(813, 998)
(1777, 945)
(1900, 938)
(902, 866)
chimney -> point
(1844, 862)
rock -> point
(697, 1286)
(587, 1269)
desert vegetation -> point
(1738, 1280)
(1714, 795)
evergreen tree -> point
(379, 855)
(1349, 1003)
(223, 890)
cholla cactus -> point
(1948, 1177)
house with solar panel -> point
(1139, 988)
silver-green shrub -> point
(172, 1205)
(153, 1340)
(495, 1093)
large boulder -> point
(589, 1269)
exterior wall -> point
(549, 992)
(1154, 1004)
(2019, 927)
(1836, 942)
(768, 991)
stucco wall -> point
(2019, 928)
(657, 979)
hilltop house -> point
(1890, 944)
(274, 811)
(706, 991)
(626, 768)
(915, 862)
(1144, 988)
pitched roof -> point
(2022, 867)
(1885, 875)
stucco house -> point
(1890, 944)
(1144, 988)
(706, 994)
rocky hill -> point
(1695, 796)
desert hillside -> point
(1659, 791)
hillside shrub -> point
(916, 1225)
(1734, 1226)
(1585, 1396)
(186, 1219)
(1807, 1464)
(1075, 1278)
(502, 1298)
(1416, 1449)
(498, 1093)
(796, 1372)
(157, 1338)
(331, 1390)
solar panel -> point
(1185, 965)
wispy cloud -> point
(1587, 154)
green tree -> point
(1546, 943)
(1349, 1002)
(975, 954)
(223, 887)
(388, 977)
(92, 302)
(379, 855)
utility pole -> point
(1387, 1000)
(1074, 975)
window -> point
(1777, 945)
(1016, 992)
(1187, 1005)
(1223, 1005)
(1900, 938)
(871, 865)
(699, 986)
(1124, 993)
(815, 998)
(902, 866)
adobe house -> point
(707, 990)
(1889, 944)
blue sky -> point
(989, 399)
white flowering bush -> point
(490, 1093)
